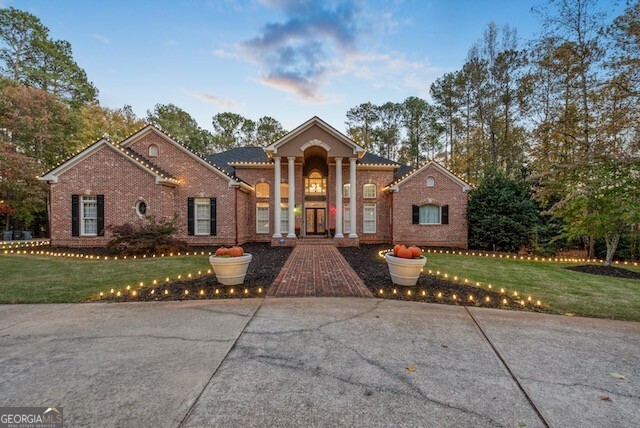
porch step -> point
(315, 241)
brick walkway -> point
(317, 270)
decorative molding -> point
(315, 142)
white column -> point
(353, 200)
(339, 198)
(277, 200)
(292, 197)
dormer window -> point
(153, 151)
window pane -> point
(346, 193)
(429, 214)
(346, 227)
(202, 211)
(90, 226)
(202, 226)
(369, 214)
(262, 190)
(262, 218)
(284, 219)
(369, 191)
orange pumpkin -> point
(405, 253)
(415, 251)
(396, 248)
(222, 251)
(236, 251)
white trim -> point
(315, 142)
(137, 207)
(94, 201)
(263, 205)
(375, 218)
(52, 176)
(315, 120)
(152, 128)
(206, 202)
(465, 186)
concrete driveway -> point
(317, 362)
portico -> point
(315, 155)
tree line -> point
(559, 115)
(49, 110)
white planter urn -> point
(405, 271)
(230, 270)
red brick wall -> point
(122, 183)
(243, 216)
(382, 201)
(445, 192)
(196, 180)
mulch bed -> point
(265, 265)
(612, 271)
(374, 272)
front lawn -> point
(562, 289)
(45, 279)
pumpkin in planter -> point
(236, 251)
(222, 251)
(396, 248)
(405, 253)
(415, 251)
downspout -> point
(49, 222)
(391, 216)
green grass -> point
(42, 279)
(560, 289)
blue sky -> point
(283, 58)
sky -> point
(282, 58)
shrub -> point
(146, 236)
(502, 215)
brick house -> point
(232, 197)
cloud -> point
(296, 54)
(214, 99)
(101, 38)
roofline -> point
(52, 175)
(357, 149)
(395, 186)
(151, 127)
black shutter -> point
(75, 215)
(415, 213)
(100, 206)
(445, 214)
(213, 224)
(190, 216)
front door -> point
(316, 221)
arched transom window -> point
(262, 190)
(315, 184)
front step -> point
(315, 241)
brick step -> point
(315, 241)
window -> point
(141, 208)
(429, 214)
(315, 184)
(262, 217)
(369, 191)
(89, 212)
(346, 191)
(369, 217)
(284, 190)
(203, 216)
(346, 219)
(431, 181)
(153, 151)
(262, 190)
(284, 218)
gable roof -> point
(315, 120)
(162, 176)
(152, 127)
(430, 163)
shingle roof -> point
(400, 172)
(371, 159)
(141, 159)
(238, 154)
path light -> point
(246, 291)
(439, 294)
(217, 291)
(153, 291)
(112, 291)
(504, 301)
(395, 291)
(186, 292)
(259, 289)
(231, 291)
(118, 294)
(166, 291)
(409, 292)
(133, 293)
(487, 299)
(381, 291)
(101, 294)
(128, 287)
(424, 293)
(202, 292)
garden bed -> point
(611, 271)
(264, 268)
(374, 272)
